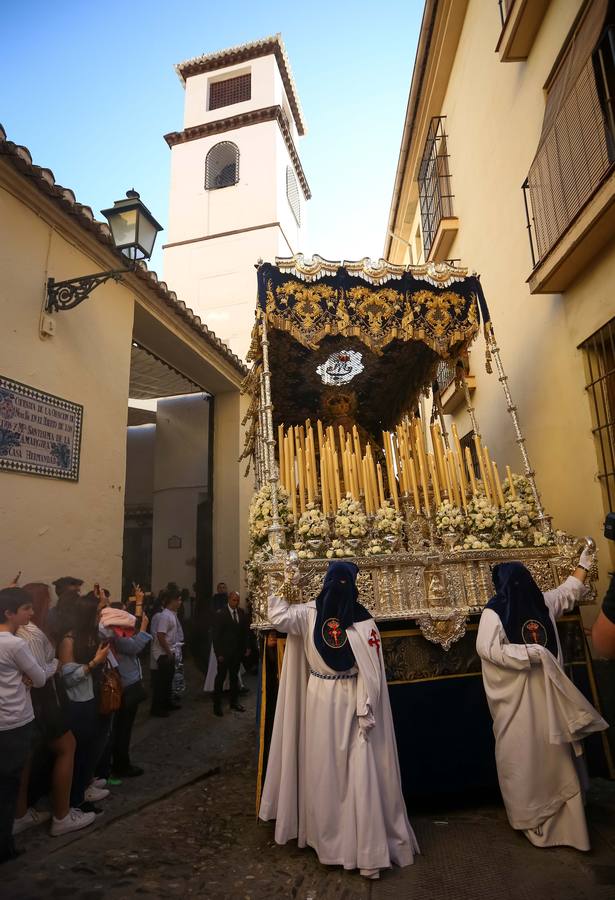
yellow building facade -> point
(507, 166)
(132, 338)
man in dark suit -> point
(230, 636)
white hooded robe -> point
(539, 719)
(333, 779)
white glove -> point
(586, 559)
(366, 723)
(534, 651)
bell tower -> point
(238, 191)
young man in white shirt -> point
(168, 634)
(19, 671)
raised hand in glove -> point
(586, 559)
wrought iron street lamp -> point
(134, 231)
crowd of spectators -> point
(71, 682)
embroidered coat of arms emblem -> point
(333, 634)
(534, 632)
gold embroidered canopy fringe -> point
(376, 303)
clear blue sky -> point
(90, 89)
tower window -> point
(292, 192)
(229, 91)
(222, 166)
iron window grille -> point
(447, 371)
(229, 91)
(292, 192)
(222, 166)
(576, 155)
(599, 354)
(435, 195)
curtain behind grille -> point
(572, 155)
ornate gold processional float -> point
(345, 467)
(343, 356)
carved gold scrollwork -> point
(443, 629)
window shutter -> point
(292, 192)
(572, 155)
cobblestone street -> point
(188, 828)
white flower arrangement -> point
(388, 521)
(523, 490)
(541, 539)
(350, 520)
(507, 540)
(311, 527)
(312, 524)
(303, 551)
(261, 517)
(481, 516)
(449, 518)
(339, 549)
(516, 515)
(377, 547)
(474, 542)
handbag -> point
(110, 691)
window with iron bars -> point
(576, 154)
(435, 195)
(447, 371)
(222, 166)
(599, 354)
(229, 91)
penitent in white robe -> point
(539, 719)
(333, 777)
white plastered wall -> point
(50, 527)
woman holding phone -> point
(82, 656)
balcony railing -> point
(576, 155)
(435, 194)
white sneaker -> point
(94, 793)
(72, 822)
(99, 782)
(32, 817)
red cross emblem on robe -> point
(374, 640)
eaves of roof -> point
(20, 159)
(242, 53)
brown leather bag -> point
(110, 693)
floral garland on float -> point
(312, 531)
(261, 516)
(350, 527)
(483, 526)
(387, 531)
